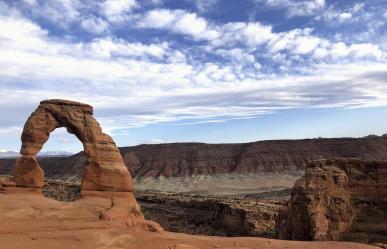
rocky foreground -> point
(35, 222)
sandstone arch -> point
(104, 168)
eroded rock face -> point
(338, 200)
(104, 167)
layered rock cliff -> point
(338, 200)
(187, 159)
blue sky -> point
(197, 70)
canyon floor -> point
(221, 184)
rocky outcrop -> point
(104, 167)
(189, 159)
(105, 175)
(338, 200)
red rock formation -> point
(28, 172)
(105, 174)
(104, 168)
(338, 200)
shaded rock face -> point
(104, 166)
(338, 200)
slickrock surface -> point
(190, 159)
(36, 222)
(338, 200)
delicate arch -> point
(104, 168)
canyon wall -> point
(338, 200)
(187, 159)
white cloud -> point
(250, 36)
(108, 48)
(115, 10)
(238, 55)
(60, 12)
(160, 18)
(341, 50)
(344, 16)
(253, 34)
(335, 16)
(95, 25)
(178, 21)
(297, 7)
(297, 41)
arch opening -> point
(59, 159)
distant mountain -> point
(190, 159)
(14, 154)
(8, 154)
(59, 153)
